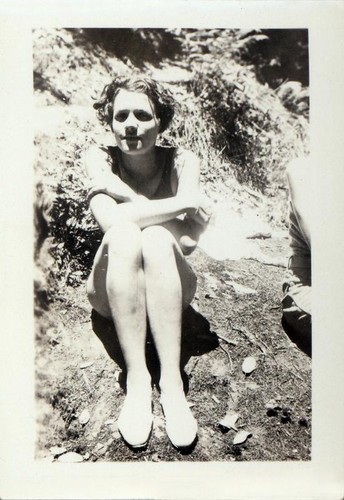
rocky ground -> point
(235, 315)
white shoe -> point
(181, 426)
(135, 421)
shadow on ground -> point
(197, 339)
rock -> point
(70, 457)
(58, 450)
(249, 364)
(84, 417)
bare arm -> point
(102, 179)
(137, 209)
(299, 178)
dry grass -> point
(244, 137)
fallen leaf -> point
(249, 364)
(57, 450)
(241, 437)
(86, 364)
(84, 417)
(70, 457)
(229, 421)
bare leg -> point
(169, 285)
(116, 287)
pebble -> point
(70, 457)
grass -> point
(244, 137)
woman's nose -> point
(131, 130)
(131, 124)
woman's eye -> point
(121, 116)
(143, 116)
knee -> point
(158, 245)
(123, 240)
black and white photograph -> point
(173, 317)
(178, 306)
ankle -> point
(171, 387)
(138, 380)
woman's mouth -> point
(130, 138)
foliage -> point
(278, 55)
(243, 131)
(136, 46)
(73, 228)
(252, 128)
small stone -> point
(58, 450)
(70, 457)
(249, 364)
(84, 417)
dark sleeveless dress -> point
(164, 189)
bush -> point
(75, 232)
(253, 129)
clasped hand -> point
(200, 213)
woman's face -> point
(134, 123)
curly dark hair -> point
(162, 100)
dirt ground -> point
(235, 314)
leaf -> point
(249, 364)
(229, 421)
(70, 457)
(84, 417)
(241, 437)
